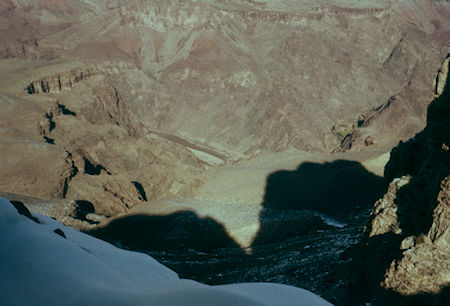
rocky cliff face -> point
(58, 82)
(406, 249)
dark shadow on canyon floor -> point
(176, 231)
(335, 189)
(295, 203)
(293, 206)
(291, 199)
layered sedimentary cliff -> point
(405, 254)
(58, 82)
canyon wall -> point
(404, 256)
(282, 75)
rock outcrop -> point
(58, 82)
(404, 256)
(381, 127)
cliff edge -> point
(404, 255)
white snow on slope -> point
(40, 267)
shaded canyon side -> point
(404, 255)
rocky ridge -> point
(408, 237)
(58, 82)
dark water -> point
(310, 261)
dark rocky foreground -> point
(311, 261)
